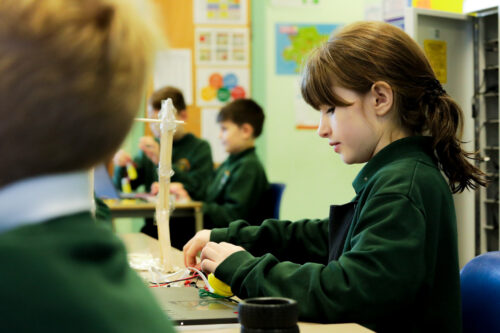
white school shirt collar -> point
(38, 199)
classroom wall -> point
(314, 174)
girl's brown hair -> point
(366, 52)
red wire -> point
(168, 282)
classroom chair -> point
(480, 285)
(276, 192)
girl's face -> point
(352, 131)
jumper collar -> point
(38, 199)
(237, 156)
(397, 150)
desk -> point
(141, 243)
(135, 208)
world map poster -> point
(295, 41)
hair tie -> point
(432, 91)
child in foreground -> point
(84, 64)
(388, 259)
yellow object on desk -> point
(219, 287)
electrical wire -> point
(207, 285)
(161, 284)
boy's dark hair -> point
(243, 111)
(168, 92)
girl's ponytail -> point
(444, 122)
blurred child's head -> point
(72, 75)
(154, 107)
(374, 85)
(241, 123)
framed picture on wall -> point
(221, 46)
(220, 11)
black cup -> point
(268, 315)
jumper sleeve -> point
(244, 190)
(195, 180)
(118, 174)
(141, 163)
(379, 274)
(301, 241)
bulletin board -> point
(222, 60)
(221, 66)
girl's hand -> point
(151, 148)
(194, 246)
(213, 254)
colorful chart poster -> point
(221, 46)
(220, 11)
(295, 41)
(218, 86)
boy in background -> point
(62, 270)
(240, 185)
(191, 160)
(191, 157)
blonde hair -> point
(366, 52)
(72, 76)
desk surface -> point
(141, 243)
(137, 208)
(134, 204)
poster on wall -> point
(220, 11)
(294, 3)
(435, 50)
(210, 132)
(295, 41)
(219, 46)
(306, 117)
(218, 86)
(173, 68)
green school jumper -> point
(394, 267)
(236, 192)
(102, 213)
(191, 161)
(70, 274)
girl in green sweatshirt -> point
(388, 259)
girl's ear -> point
(382, 97)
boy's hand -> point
(195, 245)
(121, 158)
(179, 191)
(155, 188)
(213, 254)
(151, 148)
